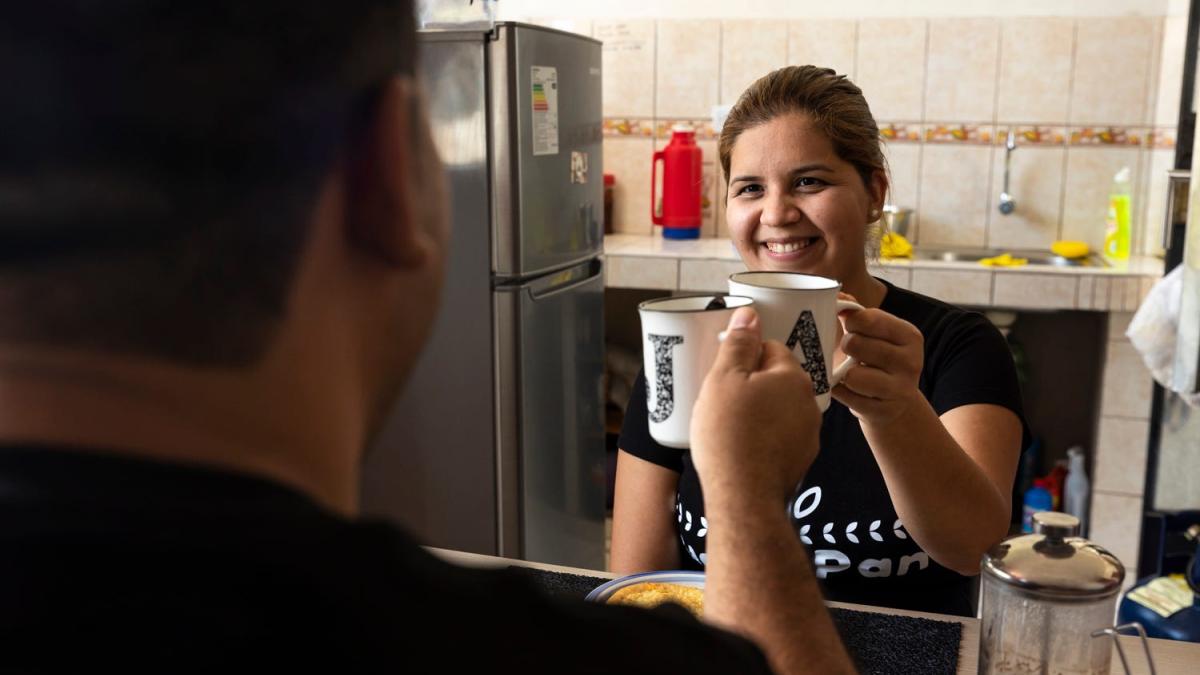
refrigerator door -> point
(550, 417)
(547, 168)
(432, 466)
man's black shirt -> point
(114, 563)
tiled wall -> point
(1119, 464)
(1085, 95)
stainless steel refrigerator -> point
(497, 444)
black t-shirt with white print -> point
(842, 511)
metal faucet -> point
(1007, 204)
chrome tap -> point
(1007, 204)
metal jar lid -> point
(1053, 562)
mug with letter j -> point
(679, 346)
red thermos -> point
(681, 185)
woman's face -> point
(794, 205)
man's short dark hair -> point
(159, 161)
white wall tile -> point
(628, 159)
(904, 162)
(1023, 290)
(1115, 524)
(627, 59)
(1100, 293)
(954, 287)
(719, 207)
(1089, 181)
(954, 194)
(749, 50)
(1118, 323)
(1036, 185)
(707, 275)
(1120, 464)
(688, 68)
(829, 43)
(641, 272)
(961, 67)
(890, 66)
(1112, 63)
(1087, 288)
(1127, 384)
(1035, 70)
(1132, 293)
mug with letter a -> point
(679, 345)
(800, 310)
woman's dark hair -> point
(834, 104)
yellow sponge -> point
(895, 246)
(1003, 260)
(1070, 249)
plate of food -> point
(651, 589)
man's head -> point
(222, 230)
(159, 163)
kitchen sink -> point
(969, 255)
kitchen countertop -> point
(1170, 657)
(652, 262)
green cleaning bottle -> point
(1116, 235)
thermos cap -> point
(1052, 562)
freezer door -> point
(547, 168)
(550, 419)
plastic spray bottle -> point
(1116, 235)
(1075, 499)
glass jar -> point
(1048, 602)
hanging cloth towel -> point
(1154, 327)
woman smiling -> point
(919, 449)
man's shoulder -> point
(355, 593)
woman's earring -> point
(874, 214)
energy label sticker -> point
(545, 110)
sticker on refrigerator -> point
(545, 110)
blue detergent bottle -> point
(1037, 499)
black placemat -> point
(880, 644)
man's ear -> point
(381, 180)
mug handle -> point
(835, 378)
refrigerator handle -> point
(572, 279)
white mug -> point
(679, 346)
(801, 311)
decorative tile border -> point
(946, 132)
(704, 129)
(900, 132)
(974, 134)
(616, 126)
(1116, 136)
(1161, 138)
(1033, 135)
